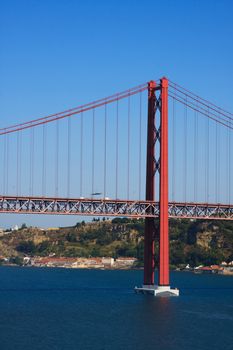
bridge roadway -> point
(112, 207)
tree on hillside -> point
(27, 247)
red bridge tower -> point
(157, 165)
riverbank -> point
(222, 269)
(107, 263)
(227, 271)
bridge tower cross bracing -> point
(150, 186)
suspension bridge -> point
(110, 157)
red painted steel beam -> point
(163, 215)
(150, 187)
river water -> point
(92, 309)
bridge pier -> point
(159, 165)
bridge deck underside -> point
(108, 207)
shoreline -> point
(228, 273)
(73, 268)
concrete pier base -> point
(160, 291)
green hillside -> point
(193, 242)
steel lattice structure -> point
(112, 208)
(200, 211)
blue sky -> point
(59, 54)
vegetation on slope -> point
(191, 242)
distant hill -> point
(191, 242)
